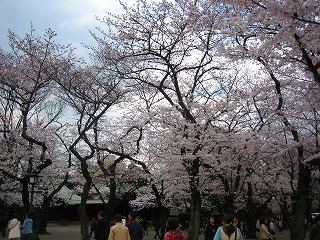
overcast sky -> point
(69, 18)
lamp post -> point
(33, 180)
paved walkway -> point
(72, 232)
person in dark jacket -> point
(210, 229)
(315, 229)
(145, 226)
(135, 228)
(157, 228)
(93, 226)
(102, 227)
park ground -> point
(72, 232)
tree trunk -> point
(251, 214)
(162, 222)
(285, 213)
(41, 220)
(83, 213)
(111, 205)
(25, 194)
(194, 222)
(228, 203)
(301, 194)
(35, 218)
(297, 231)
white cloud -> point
(103, 4)
(80, 14)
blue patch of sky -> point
(70, 19)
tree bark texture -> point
(194, 223)
(251, 214)
(83, 213)
(297, 231)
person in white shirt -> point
(14, 228)
(272, 227)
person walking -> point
(315, 229)
(119, 231)
(174, 233)
(145, 226)
(210, 229)
(14, 228)
(93, 226)
(26, 228)
(102, 227)
(135, 228)
(244, 228)
(3, 225)
(157, 227)
(264, 229)
(280, 225)
(258, 226)
(272, 228)
(229, 229)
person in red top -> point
(174, 233)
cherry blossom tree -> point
(174, 55)
(281, 35)
(162, 57)
(28, 110)
(210, 100)
(90, 93)
(30, 115)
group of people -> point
(228, 230)
(19, 231)
(266, 229)
(132, 230)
